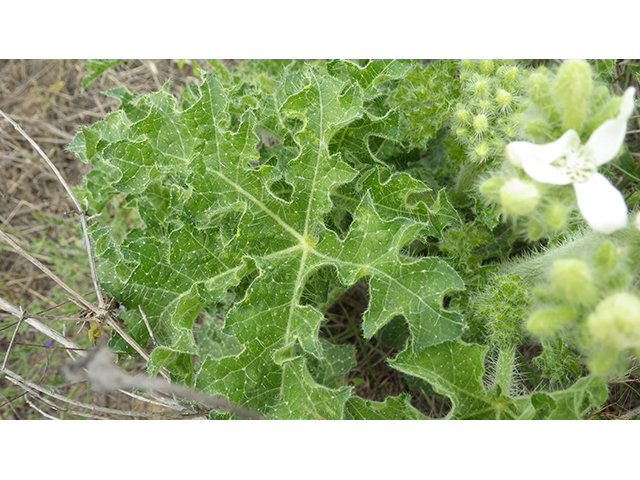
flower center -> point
(577, 164)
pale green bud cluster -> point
(615, 321)
(488, 114)
(568, 99)
(589, 302)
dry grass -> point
(45, 98)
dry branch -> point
(97, 367)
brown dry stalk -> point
(79, 209)
(97, 367)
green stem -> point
(505, 368)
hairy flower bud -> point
(571, 279)
(556, 215)
(573, 87)
(518, 197)
(616, 321)
(480, 124)
(491, 188)
(503, 100)
(548, 321)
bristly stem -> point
(505, 368)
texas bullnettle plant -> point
(473, 197)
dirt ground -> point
(46, 99)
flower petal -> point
(546, 153)
(601, 204)
(606, 140)
(536, 159)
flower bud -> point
(481, 150)
(518, 197)
(481, 87)
(556, 215)
(605, 257)
(540, 90)
(511, 75)
(573, 87)
(535, 230)
(486, 66)
(503, 100)
(491, 188)
(548, 321)
(538, 128)
(571, 278)
(468, 64)
(480, 124)
(616, 321)
(463, 116)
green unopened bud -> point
(504, 100)
(535, 230)
(539, 128)
(518, 197)
(573, 87)
(599, 97)
(616, 321)
(510, 76)
(480, 124)
(572, 279)
(548, 321)
(556, 215)
(491, 188)
(481, 87)
(512, 125)
(486, 66)
(481, 150)
(609, 109)
(463, 116)
(468, 64)
(540, 89)
(605, 257)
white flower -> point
(566, 161)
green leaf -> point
(334, 365)
(371, 75)
(456, 369)
(97, 68)
(304, 399)
(393, 408)
(217, 219)
(399, 195)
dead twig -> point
(97, 367)
(146, 322)
(80, 301)
(13, 338)
(37, 391)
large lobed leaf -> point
(456, 369)
(220, 223)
